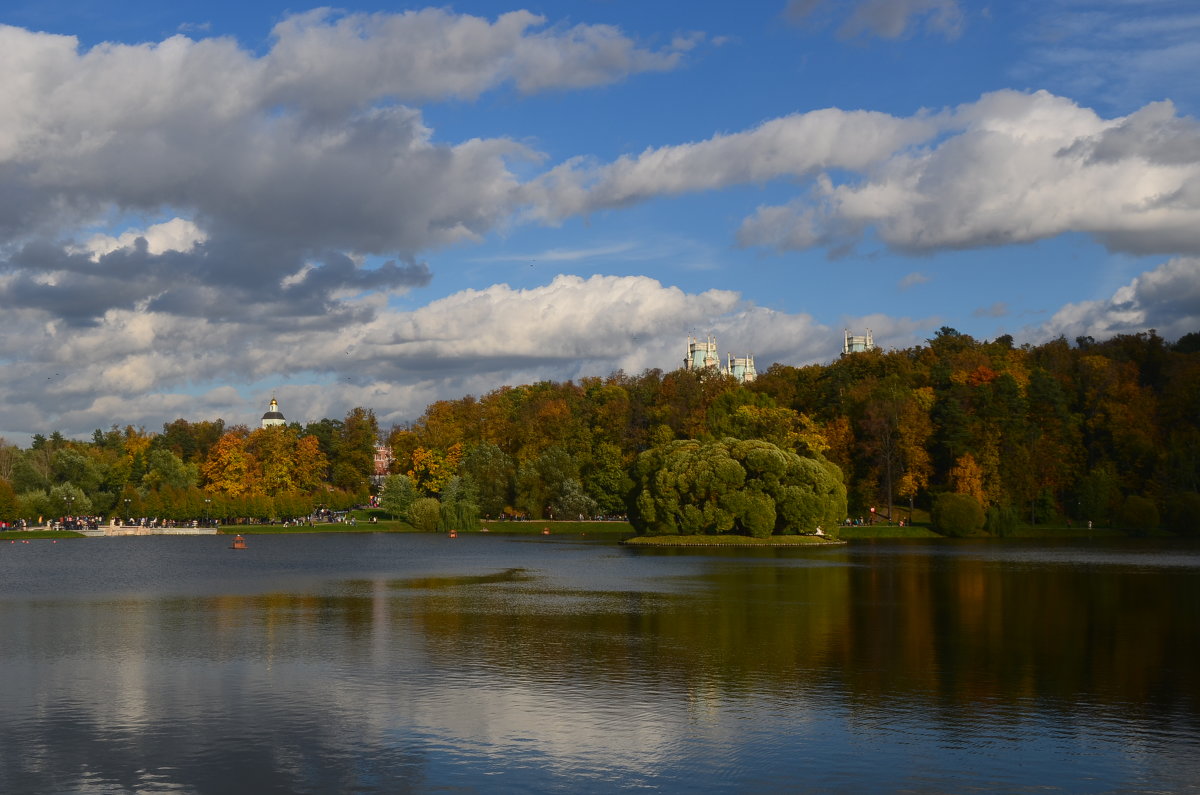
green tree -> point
(165, 470)
(543, 480)
(353, 460)
(605, 479)
(1138, 514)
(67, 499)
(493, 471)
(36, 503)
(749, 487)
(31, 472)
(1183, 513)
(1099, 495)
(397, 495)
(957, 514)
(75, 466)
(1001, 519)
(572, 501)
(425, 514)
(458, 510)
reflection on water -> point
(415, 663)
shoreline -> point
(731, 541)
(621, 532)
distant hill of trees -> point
(1041, 433)
(1105, 431)
(192, 470)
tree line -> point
(1104, 432)
(1099, 431)
(192, 470)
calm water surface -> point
(393, 663)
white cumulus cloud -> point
(1013, 168)
(141, 366)
(1166, 299)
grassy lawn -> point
(887, 531)
(26, 535)
(727, 541)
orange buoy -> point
(545, 531)
(454, 534)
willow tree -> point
(745, 487)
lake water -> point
(407, 663)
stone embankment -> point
(112, 530)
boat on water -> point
(239, 542)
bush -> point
(397, 495)
(424, 514)
(459, 515)
(744, 487)
(1138, 514)
(1183, 513)
(957, 515)
(1001, 520)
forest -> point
(1104, 432)
(192, 471)
(1100, 431)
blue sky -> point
(202, 204)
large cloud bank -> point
(293, 165)
(1012, 167)
(397, 362)
(182, 215)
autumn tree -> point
(10, 506)
(431, 470)
(310, 465)
(915, 429)
(230, 469)
(966, 477)
(274, 448)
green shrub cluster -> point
(957, 515)
(1138, 514)
(746, 487)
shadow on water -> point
(434, 583)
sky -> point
(204, 204)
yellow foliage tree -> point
(230, 469)
(966, 477)
(274, 450)
(311, 464)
